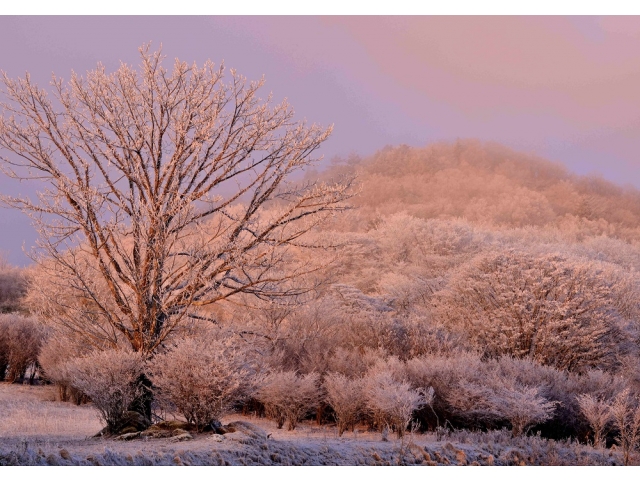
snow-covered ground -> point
(35, 430)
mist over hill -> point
(490, 185)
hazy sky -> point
(565, 88)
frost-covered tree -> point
(523, 406)
(391, 400)
(20, 341)
(163, 191)
(13, 287)
(625, 411)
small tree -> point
(20, 341)
(523, 406)
(203, 378)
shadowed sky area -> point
(564, 88)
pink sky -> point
(566, 88)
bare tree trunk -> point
(143, 403)
(320, 413)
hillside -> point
(491, 185)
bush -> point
(4, 348)
(111, 379)
(550, 308)
(521, 405)
(568, 420)
(443, 374)
(354, 362)
(203, 378)
(625, 411)
(473, 393)
(346, 397)
(391, 401)
(53, 358)
(289, 397)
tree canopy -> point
(164, 191)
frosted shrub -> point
(4, 348)
(598, 414)
(391, 401)
(13, 287)
(495, 391)
(626, 418)
(289, 397)
(367, 320)
(550, 308)
(523, 406)
(444, 374)
(110, 379)
(392, 364)
(426, 337)
(203, 378)
(566, 387)
(346, 397)
(520, 405)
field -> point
(35, 430)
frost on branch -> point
(598, 414)
(625, 411)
